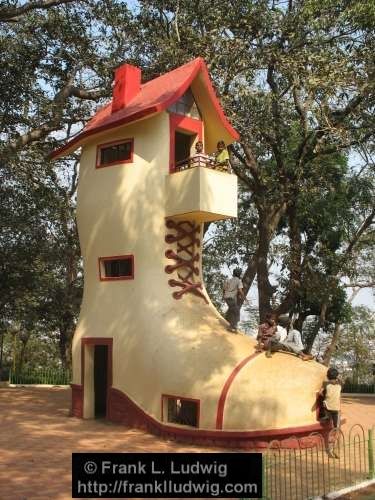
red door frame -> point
(185, 124)
(92, 341)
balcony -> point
(201, 160)
(199, 191)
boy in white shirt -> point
(199, 159)
(288, 340)
(331, 394)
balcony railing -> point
(201, 161)
(202, 194)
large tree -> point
(56, 66)
(296, 79)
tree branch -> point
(300, 109)
(339, 115)
(74, 182)
(276, 114)
(364, 226)
(57, 106)
(370, 284)
(176, 21)
(338, 147)
(11, 14)
(88, 94)
(239, 174)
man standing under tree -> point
(232, 290)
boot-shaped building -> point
(150, 350)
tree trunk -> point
(298, 324)
(332, 345)
(295, 268)
(21, 356)
(1, 352)
(269, 218)
(322, 318)
(249, 275)
(67, 323)
(265, 290)
(65, 340)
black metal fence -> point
(359, 388)
(51, 376)
(317, 465)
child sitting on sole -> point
(266, 332)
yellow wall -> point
(163, 345)
(204, 190)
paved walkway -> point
(37, 438)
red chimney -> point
(127, 85)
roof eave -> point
(77, 141)
(200, 66)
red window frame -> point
(167, 396)
(99, 147)
(183, 124)
(115, 257)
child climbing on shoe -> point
(331, 393)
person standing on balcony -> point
(232, 290)
(199, 159)
(221, 157)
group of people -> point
(279, 334)
(219, 161)
(274, 334)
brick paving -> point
(358, 410)
(37, 437)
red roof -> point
(154, 96)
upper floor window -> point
(186, 106)
(114, 153)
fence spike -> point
(370, 448)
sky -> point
(366, 298)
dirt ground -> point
(37, 438)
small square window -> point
(182, 411)
(114, 153)
(116, 268)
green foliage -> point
(296, 78)
(53, 72)
(41, 284)
(355, 352)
